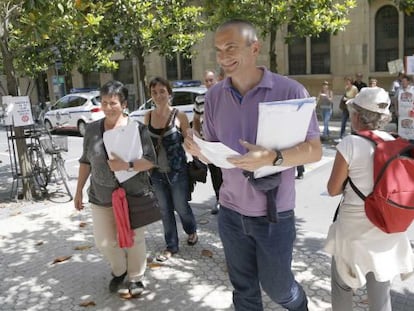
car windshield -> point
(96, 100)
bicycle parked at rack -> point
(45, 157)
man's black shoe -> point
(115, 282)
(215, 209)
(300, 176)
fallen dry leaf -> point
(126, 296)
(39, 243)
(207, 253)
(82, 224)
(88, 303)
(82, 247)
(61, 259)
(155, 265)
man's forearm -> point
(306, 152)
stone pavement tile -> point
(30, 242)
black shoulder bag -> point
(143, 209)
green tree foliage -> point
(407, 6)
(33, 35)
(305, 18)
(67, 32)
(138, 27)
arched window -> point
(91, 80)
(408, 35)
(297, 54)
(386, 37)
(179, 68)
(124, 72)
(321, 54)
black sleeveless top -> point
(170, 147)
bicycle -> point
(47, 145)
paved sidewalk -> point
(31, 241)
(33, 236)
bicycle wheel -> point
(60, 165)
(39, 168)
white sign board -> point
(18, 110)
(410, 65)
(395, 66)
(406, 114)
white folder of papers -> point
(125, 143)
(216, 152)
(282, 124)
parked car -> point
(73, 112)
(183, 99)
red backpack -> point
(390, 205)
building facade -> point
(377, 33)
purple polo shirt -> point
(227, 119)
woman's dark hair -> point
(162, 81)
(115, 88)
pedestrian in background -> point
(361, 253)
(396, 84)
(94, 163)
(358, 81)
(167, 127)
(373, 82)
(215, 172)
(258, 252)
(325, 105)
(350, 92)
(301, 171)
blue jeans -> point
(344, 120)
(326, 116)
(259, 253)
(171, 190)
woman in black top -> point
(168, 128)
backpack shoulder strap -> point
(367, 134)
(357, 191)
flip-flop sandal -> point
(192, 239)
(165, 255)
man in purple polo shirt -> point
(258, 252)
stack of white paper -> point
(281, 125)
(125, 143)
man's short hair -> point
(246, 28)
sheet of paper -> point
(281, 125)
(216, 152)
(125, 142)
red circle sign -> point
(25, 118)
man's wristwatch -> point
(279, 158)
(131, 167)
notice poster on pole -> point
(22, 111)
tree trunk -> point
(25, 168)
(141, 74)
(272, 51)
